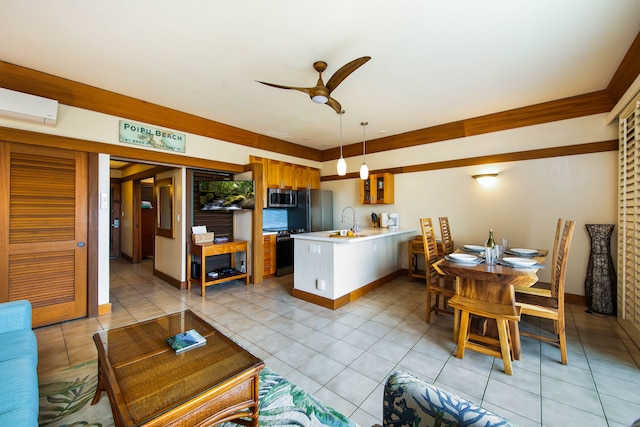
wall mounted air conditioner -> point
(22, 106)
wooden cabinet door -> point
(43, 230)
(287, 175)
(314, 178)
(301, 177)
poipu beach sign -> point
(133, 133)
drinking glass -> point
(505, 243)
(500, 250)
(490, 255)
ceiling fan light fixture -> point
(319, 99)
(364, 170)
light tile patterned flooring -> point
(344, 356)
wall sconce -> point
(486, 179)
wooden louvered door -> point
(44, 252)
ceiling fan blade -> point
(343, 72)
(334, 104)
(308, 90)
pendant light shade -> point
(342, 164)
(364, 170)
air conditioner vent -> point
(22, 106)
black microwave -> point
(281, 198)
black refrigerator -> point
(314, 211)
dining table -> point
(473, 273)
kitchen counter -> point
(364, 235)
(333, 271)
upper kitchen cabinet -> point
(307, 178)
(377, 189)
(278, 174)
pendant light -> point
(364, 170)
(342, 164)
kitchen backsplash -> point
(274, 219)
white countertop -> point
(365, 234)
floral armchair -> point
(410, 401)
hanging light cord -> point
(364, 124)
(341, 113)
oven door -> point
(284, 255)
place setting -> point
(523, 252)
(464, 258)
(517, 262)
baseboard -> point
(104, 309)
(334, 304)
(170, 280)
(126, 257)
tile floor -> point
(344, 356)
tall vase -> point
(600, 284)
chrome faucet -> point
(353, 218)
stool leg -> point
(503, 334)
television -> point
(226, 195)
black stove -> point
(285, 233)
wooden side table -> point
(203, 250)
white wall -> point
(170, 252)
(531, 195)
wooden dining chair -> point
(435, 285)
(543, 288)
(445, 233)
(490, 300)
(549, 304)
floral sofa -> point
(282, 403)
(19, 400)
(410, 401)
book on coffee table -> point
(186, 341)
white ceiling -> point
(433, 61)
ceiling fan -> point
(321, 93)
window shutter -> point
(629, 217)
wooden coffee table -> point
(148, 384)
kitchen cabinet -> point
(307, 178)
(269, 255)
(278, 174)
(377, 189)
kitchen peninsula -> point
(332, 270)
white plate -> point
(463, 257)
(523, 251)
(519, 262)
(474, 248)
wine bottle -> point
(490, 250)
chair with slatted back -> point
(435, 285)
(541, 288)
(445, 233)
(549, 304)
(490, 300)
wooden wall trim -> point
(567, 150)
(80, 95)
(561, 109)
(627, 71)
(140, 154)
